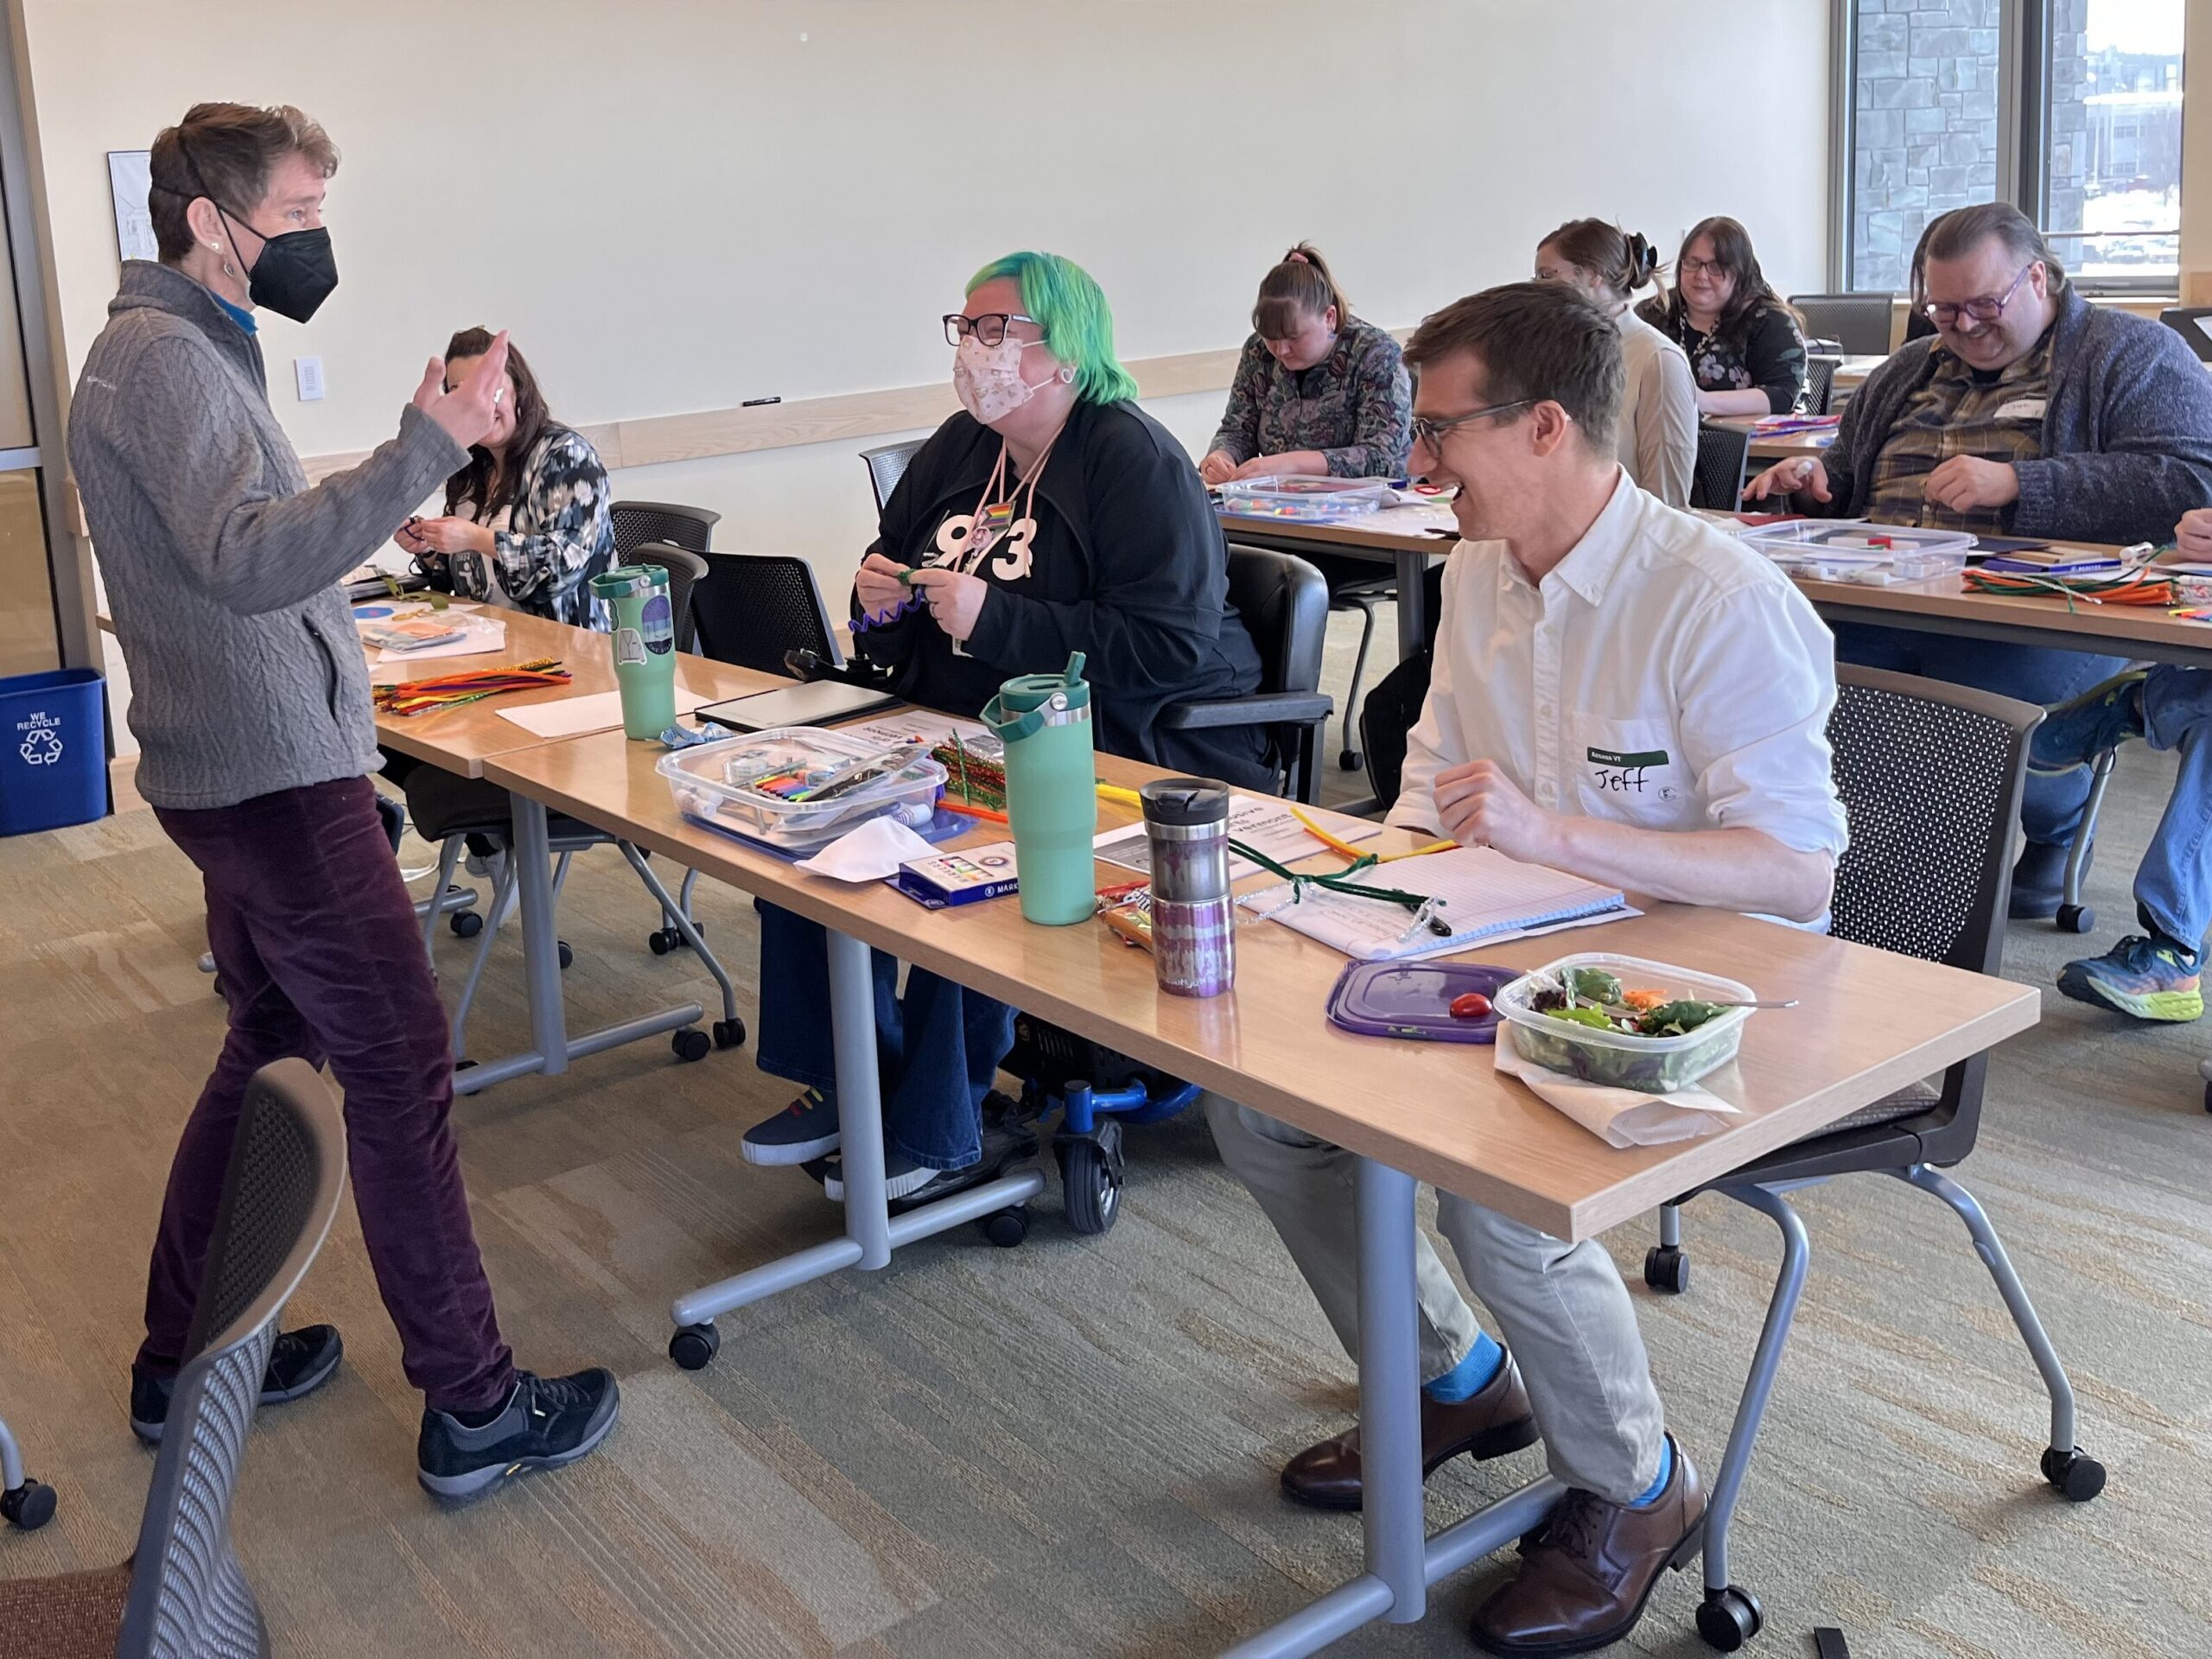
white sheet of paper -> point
(1264, 825)
(904, 725)
(574, 716)
(484, 633)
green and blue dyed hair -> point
(1079, 324)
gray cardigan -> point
(2126, 431)
(222, 566)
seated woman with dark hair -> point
(1741, 336)
(1051, 515)
(526, 525)
(1317, 389)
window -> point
(2111, 182)
(2088, 140)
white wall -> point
(680, 204)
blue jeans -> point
(938, 1048)
(2051, 807)
(2173, 884)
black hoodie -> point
(1127, 565)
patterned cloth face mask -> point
(988, 378)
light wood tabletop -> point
(460, 738)
(1867, 1022)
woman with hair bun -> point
(1658, 429)
(1317, 390)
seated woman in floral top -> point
(1741, 336)
(1317, 390)
(526, 523)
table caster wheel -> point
(463, 1065)
(1728, 1619)
(567, 955)
(693, 1346)
(2076, 1477)
(28, 1506)
(1007, 1228)
(691, 1044)
(1090, 1178)
(662, 940)
(465, 924)
(1667, 1269)
(729, 1033)
(1347, 760)
(2076, 918)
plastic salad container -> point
(1306, 500)
(1653, 1065)
(798, 788)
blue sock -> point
(1470, 1376)
(1666, 1474)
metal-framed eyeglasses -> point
(1984, 310)
(1430, 432)
(990, 328)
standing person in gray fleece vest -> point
(252, 709)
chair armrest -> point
(1263, 708)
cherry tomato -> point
(1469, 1005)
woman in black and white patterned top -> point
(526, 524)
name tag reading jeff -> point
(1623, 771)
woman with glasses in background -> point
(1050, 516)
(1317, 389)
(1741, 337)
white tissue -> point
(872, 853)
(1619, 1117)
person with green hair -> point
(1050, 515)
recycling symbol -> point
(41, 747)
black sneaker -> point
(301, 1362)
(547, 1421)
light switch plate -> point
(308, 371)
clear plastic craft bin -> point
(1655, 1066)
(1306, 500)
(1838, 546)
(751, 785)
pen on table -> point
(968, 812)
(758, 403)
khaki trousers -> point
(1561, 1308)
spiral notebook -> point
(1485, 897)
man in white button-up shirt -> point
(1623, 691)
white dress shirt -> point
(1662, 675)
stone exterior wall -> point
(1926, 138)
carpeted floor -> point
(1071, 1448)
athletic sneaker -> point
(804, 1129)
(2151, 978)
(547, 1421)
(2101, 718)
(300, 1361)
(902, 1178)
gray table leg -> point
(549, 1026)
(1389, 1389)
(1413, 602)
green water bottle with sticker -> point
(644, 641)
(1051, 790)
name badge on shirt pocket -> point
(2021, 409)
(1629, 771)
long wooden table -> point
(1866, 1024)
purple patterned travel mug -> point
(1194, 910)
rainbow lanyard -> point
(995, 518)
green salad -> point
(1595, 1001)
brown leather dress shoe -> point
(1586, 1573)
(1489, 1424)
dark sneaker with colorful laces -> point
(803, 1131)
(547, 1421)
(301, 1362)
(2151, 978)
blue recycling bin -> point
(53, 750)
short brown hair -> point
(1538, 341)
(1296, 289)
(225, 152)
(1959, 231)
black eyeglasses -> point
(1431, 432)
(1946, 315)
(990, 328)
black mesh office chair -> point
(637, 523)
(887, 465)
(1285, 605)
(1723, 452)
(183, 1593)
(1932, 775)
(753, 607)
(1858, 323)
(685, 570)
(1820, 382)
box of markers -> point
(944, 880)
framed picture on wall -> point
(130, 178)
